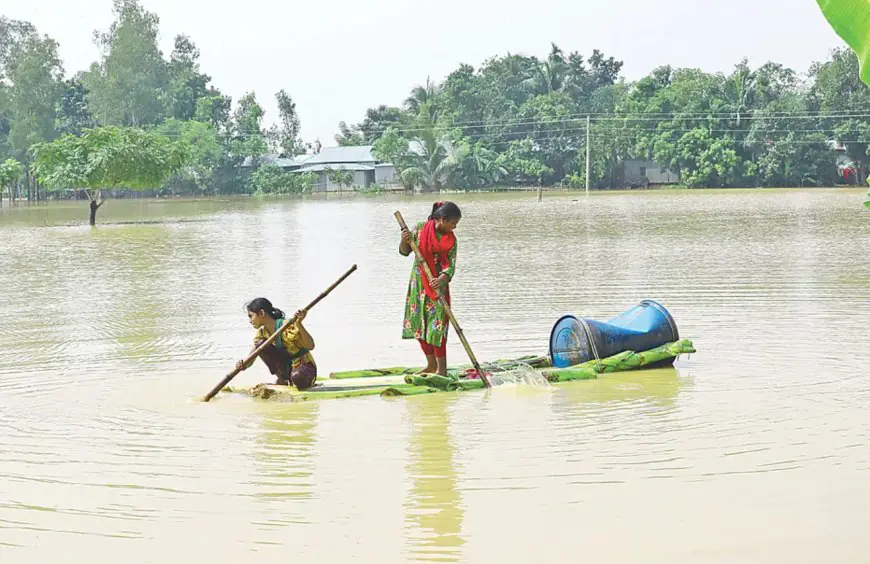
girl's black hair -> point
(262, 303)
(447, 211)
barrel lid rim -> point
(553, 334)
(664, 311)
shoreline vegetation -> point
(142, 120)
(530, 191)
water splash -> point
(522, 375)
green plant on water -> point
(371, 190)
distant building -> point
(643, 173)
(286, 163)
(365, 169)
(357, 160)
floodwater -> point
(753, 450)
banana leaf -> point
(851, 21)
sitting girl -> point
(288, 357)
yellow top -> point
(288, 339)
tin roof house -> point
(363, 167)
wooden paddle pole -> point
(274, 336)
(444, 303)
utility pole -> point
(587, 153)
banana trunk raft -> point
(405, 381)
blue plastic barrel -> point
(645, 326)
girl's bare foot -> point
(431, 366)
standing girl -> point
(425, 317)
(288, 357)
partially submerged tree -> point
(108, 157)
(339, 177)
(271, 179)
(10, 171)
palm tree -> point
(483, 167)
(739, 89)
(549, 75)
(433, 156)
(424, 97)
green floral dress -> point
(426, 319)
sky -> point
(337, 58)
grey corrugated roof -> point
(334, 166)
(354, 154)
(283, 162)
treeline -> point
(523, 120)
(514, 120)
(133, 86)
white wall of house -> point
(385, 174)
(636, 169)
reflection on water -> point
(433, 508)
(754, 445)
(284, 451)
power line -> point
(626, 121)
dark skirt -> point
(279, 363)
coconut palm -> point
(424, 97)
(549, 75)
(739, 89)
(433, 156)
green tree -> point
(284, 137)
(214, 108)
(783, 153)
(205, 152)
(374, 125)
(186, 84)
(433, 154)
(339, 177)
(248, 138)
(393, 147)
(348, 136)
(127, 86)
(73, 114)
(549, 74)
(841, 98)
(549, 122)
(108, 157)
(707, 161)
(12, 32)
(10, 172)
(5, 120)
(425, 98)
(35, 74)
(464, 102)
(271, 179)
(480, 167)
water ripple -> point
(110, 334)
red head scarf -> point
(430, 246)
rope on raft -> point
(591, 342)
